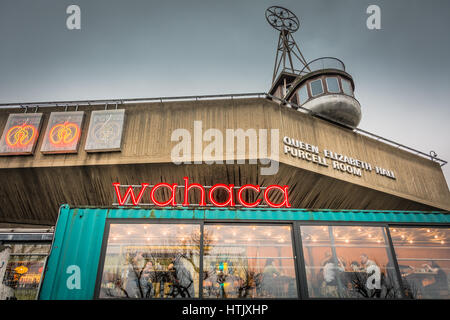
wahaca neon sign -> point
(207, 198)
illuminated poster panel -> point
(63, 132)
(105, 131)
(20, 134)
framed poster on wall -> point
(63, 132)
(105, 130)
(20, 134)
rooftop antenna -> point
(287, 23)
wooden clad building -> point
(34, 186)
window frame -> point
(342, 87)
(17, 240)
(310, 87)
(104, 246)
(297, 247)
(338, 84)
(414, 225)
(389, 247)
(305, 85)
(262, 223)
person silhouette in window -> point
(331, 271)
(440, 286)
(270, 272)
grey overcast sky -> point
(137, 48)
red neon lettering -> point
(245, 204)
(172, 198)
(230, 200)
(229, 188)
(129, 192)
(285, 193)
(188, 187)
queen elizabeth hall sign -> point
(341, 162)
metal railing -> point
(65, 104)
(73, 103)
(322, 64)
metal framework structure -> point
(287, 23)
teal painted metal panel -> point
(79, 234)
(78, 240)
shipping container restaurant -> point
(162, 253)
(275, 195)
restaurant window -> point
(423, 256)
(332, 85)
(348, 262)
(21, 267)
(248, 261)
(151, 261)
(316, 87)
(347, 87)
(303, 94)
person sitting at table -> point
(180, 280)
(147, 280)
(366, 262)
(132, 274)
(270, 269)
(171, 280)
(440, 281)
(330, 274)
(354, 265)
(270, 272)
(406, 269)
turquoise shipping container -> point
(80, 231)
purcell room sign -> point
(328, 158)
